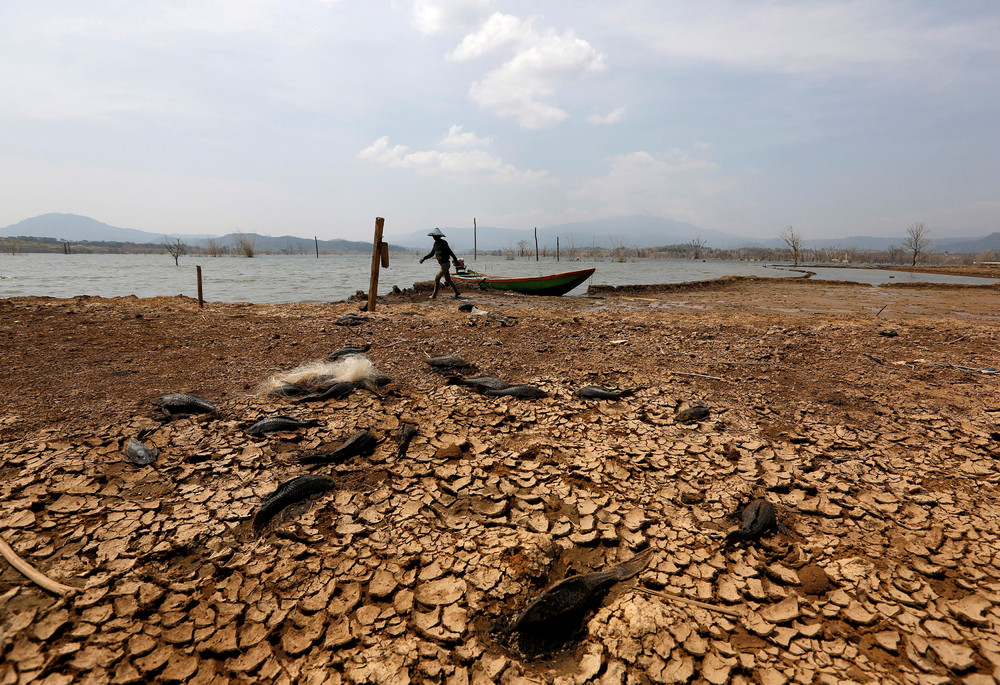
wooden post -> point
(536, 243)
(376, 258)
(317, 246)
(201, 300)
(557, 248)
(473, 238)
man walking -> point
(442, 252)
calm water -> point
(333, 278)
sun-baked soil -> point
(869, 416)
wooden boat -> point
(552, 284)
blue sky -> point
(312, 117)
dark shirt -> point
(441, 251)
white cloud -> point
(543, 62)
(675, 184)
(464, 166)
(613, 117)
(438, 16)
(457, 138)
(499, 31)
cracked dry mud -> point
(862, 413)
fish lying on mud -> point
(139, 454)
(290, 492)
(183, 403)
(599, 392)
(446, 363)
(757, 518)
(346, 351)
(362, 443)
(337, 391)
(479, 383)
(692, 414)
(520, 391)
(407, 432)
(571, 598)
(279, 422)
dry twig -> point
(693, 602)
(33, 574)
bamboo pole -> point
(536, 243)
(201, 300)
(557, 248)
(474, 249)
(33, 574)
(316, 240)
(376, 258)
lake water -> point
(333, 278)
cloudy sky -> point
(312, 117)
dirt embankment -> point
(868, 416)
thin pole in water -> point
(474, 250)
(557, 248)
(536, 243)
(317, 246)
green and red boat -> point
(552, 284)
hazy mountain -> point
(988, 243)
(627, 231)
(73, 227)
(76, 228)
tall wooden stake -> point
(474, 239)
(201, 300)
(557, 248)
(536, 243)
(316, 240)
(376, 258)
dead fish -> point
(373, 381)
(575, 595)
(692, 414)
(337, 391)
(521, 391)
(287, 390)
(351, 320)
(290, 492)
(480, 383)
(183, 403)
(443, 362)
(361, 443)
(758, 517)
(347, 351)
(407, 431)
(599, 392)
(279, 423)
(139, 454)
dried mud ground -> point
(867, 415)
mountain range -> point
(628, 231)
(75, 228)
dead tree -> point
(917, 241)
(175, 248)
(794, 242)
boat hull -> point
(552, 284)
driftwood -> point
(33, 574)
(693, 602)
(698, 375)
